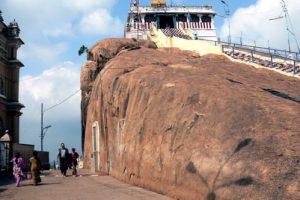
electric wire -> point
(73, 94)
(63, 101)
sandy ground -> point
(85, 186)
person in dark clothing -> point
(74, 156)
(63, 154)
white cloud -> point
(44, 54)
(254, 24)
(51, 18)
(63, 30)
(101, 22)
(51, 29)
(51, 87)
(34, 16)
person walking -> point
(35, 166)
(18, 166)
(62, 156)
(74, 156)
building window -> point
(1, 126)
(1, 86)
(181, 18)
(136, 18)
(206, 18)
(150, 18)
(12, 53)
(194, 18)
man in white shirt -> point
(63, 154)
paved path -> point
(84, 187)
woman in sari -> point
(35, 166)
(18, 165)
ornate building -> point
(10, 106)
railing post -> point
(294, 68)
(285, 53)
(271, 59)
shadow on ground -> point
(281, 95)
(6, 180)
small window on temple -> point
(136, 18)
(194, 18)
(150, 18)
(206, 18)
(181, 18)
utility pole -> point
(42, 128)
(284, 8)
(289, 31)
(227, 14)
(241, 39)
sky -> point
(53, 31)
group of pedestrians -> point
(67, 160)
(35, 167)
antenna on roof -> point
(227, 15)
(224, 2)
(135, 6)
(280, 17)
(287, 21)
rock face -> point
(190, 127)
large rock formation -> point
(190, 127)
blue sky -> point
(54, 30)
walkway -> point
(87, 187)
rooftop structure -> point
(198, 19)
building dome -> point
(13, 29)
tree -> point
(83, 49)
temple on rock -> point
(179, 21)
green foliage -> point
(83, 49)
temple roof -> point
(158, 3)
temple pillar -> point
(188, 20)
(174, 21)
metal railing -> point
(270, 55)
(282, 54)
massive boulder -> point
(189, 126)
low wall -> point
(25, 151)
(199, 46)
